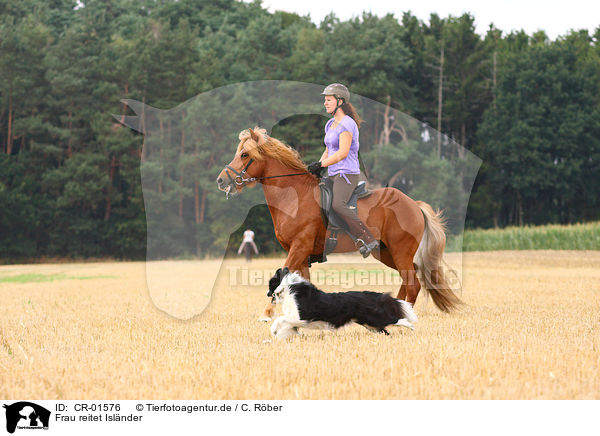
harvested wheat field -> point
(529, 330)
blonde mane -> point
(267, 146)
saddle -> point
(332, 221)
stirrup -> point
(366, 249)
(331, 242)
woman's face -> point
(330, 103)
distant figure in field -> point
(248, 245)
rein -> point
(253, 179)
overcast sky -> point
(555, 17)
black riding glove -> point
(315, 168)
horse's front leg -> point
(297, 260)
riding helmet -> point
(338, 91)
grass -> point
(549, 237)
(38, 278)
(529, 331)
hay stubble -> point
(530, 330)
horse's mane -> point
(267, 146)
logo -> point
(26, 415)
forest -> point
(70, 172)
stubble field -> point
(529, 330)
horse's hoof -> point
(264, 319)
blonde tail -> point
(429, 259)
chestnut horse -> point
(413, 235)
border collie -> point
(304, 305)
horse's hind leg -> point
(410, 282)
(410, 285)
(385, 257)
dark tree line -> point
(69, 173)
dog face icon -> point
(28, 417)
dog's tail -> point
(399, 309)
(429, 259)
(407, 311)
(406, 315)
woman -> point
(341, 160)
(248, 245)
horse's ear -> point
(253, 135)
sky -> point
(556, 18)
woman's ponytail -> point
(351, 112)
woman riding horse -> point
(412, 232)
(341, 160)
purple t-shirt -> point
(350, 164)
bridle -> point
(241, 180)
(239, 176)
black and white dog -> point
(304, 305)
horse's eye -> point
(244, 155)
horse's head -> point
(247, 164)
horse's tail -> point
(429, 259)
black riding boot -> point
(364, 238)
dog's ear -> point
(274, 282)
(285, 271)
